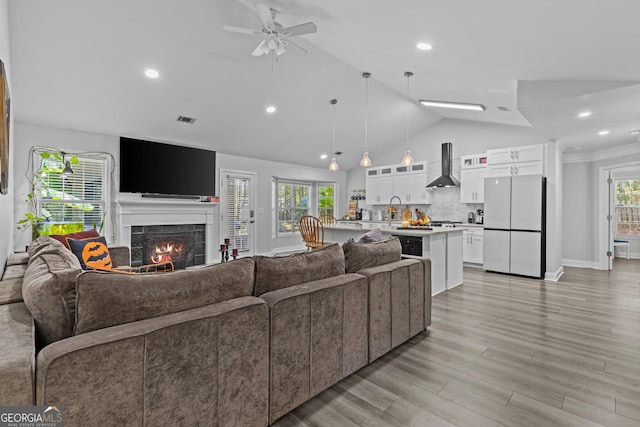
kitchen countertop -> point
(384, 227)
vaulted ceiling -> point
(79, 64)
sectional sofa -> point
(238, 343)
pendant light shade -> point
(333, 167)
(366, 161)
(407, 160)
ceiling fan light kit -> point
(454, 105)
(407, 160)
(333, 166)
(275, 36)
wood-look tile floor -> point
(504, 350)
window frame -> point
(313, 202)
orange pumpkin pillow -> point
(92, 253)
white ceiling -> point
(78, 64)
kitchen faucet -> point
(390, 205)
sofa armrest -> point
(17, 335)
(121, 255)
(203, 366)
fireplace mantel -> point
(138, 211)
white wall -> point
(578, 218)
(265, 170)
(6, 201)
(29, 135)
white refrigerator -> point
(514, 225)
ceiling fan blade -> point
(280, 49)
(241, 30)
(298, 30)
(298, 46)
(265, 16)
(260, 49)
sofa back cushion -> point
(273, 273)
(107, 298)
(364, 255)
(48, 289)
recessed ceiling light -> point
(603, 132)
(424, 46)
(584, 114)
(270, 109)
(151, 73)
(323, 156)
(456, 105)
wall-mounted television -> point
(154, 168)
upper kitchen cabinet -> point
(410, 183)
(473, 169)
(407, 182)
(525, 160)
(379, 185)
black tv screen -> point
(154, 168)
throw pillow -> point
(92, 253)
(62, 238)
(374, 235)
(358, 256)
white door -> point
(526, 202)
(526, 253)
(497, 202)
(496, 250)
(237, 214)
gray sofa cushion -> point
(48, 289)
(365, 255)
(107, 298)
(273, 273)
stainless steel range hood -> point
(446, 179)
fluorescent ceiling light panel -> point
(455, 105)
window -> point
(81, 196)
(297, 198)
(293, 202)
(628, 207)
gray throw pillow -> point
(374, 235)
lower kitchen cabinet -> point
(472, 242)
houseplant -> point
(48, 172)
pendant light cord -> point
(366, 114)
(408, 74)
(334, 102)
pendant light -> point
(333, 167)
(366, 161)
(407, 160)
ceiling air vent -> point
(503, 109)
(185, 119)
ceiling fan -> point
(275, 36)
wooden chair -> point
(327, 219)
(312, 231)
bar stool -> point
(621, 243)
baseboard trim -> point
(580, 263)
(555, 275)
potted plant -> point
(33, 218)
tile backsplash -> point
(446, 205)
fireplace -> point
(183, 245)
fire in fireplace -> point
(183, 245)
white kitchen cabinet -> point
(516, 168)
(410, 184)
(525, 153)
(473, 161)
(472, 185)
(379, 185)
(472, 246)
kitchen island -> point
(443, 246)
